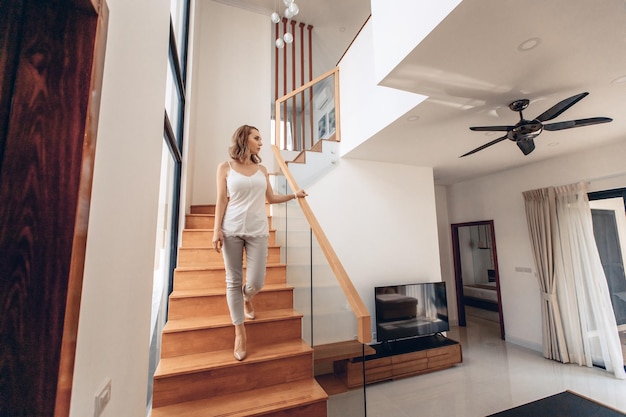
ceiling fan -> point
(525, 131)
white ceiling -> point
(471, 69)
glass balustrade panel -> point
(307, 117)
(327, 315)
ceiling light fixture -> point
(291, 9)
(412, 118)
(529, 44)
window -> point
(171, 168)
(608, 210)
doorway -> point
(476, 273)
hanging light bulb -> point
(291, 9)
(294, 9)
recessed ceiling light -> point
(552, 144)
(412, 118)
(619, 80)
(342, 29)
(529, 44)
(490, 133)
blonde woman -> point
(243, 187)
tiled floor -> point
(494, 376)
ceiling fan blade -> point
(492, 128)
(560, 107)
(480, 148)
(577, 123)
(526, 145)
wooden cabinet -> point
(399, 360)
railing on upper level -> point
(308, 114)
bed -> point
(481, 295)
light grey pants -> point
(256, 260)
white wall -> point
(114, 325)
(498, 197)
(366, 108)
(399, 26)
(231, 85)
(381, 220)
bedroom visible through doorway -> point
(476, 272)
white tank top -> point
(245, 212)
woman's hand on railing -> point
(300, 194)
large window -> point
(171, 168)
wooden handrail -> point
(308, 85)
(364, 333)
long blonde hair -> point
(239, 148)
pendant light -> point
(291, 9)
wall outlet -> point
(103, 396)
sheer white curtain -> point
(582, 294)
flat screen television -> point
(411, 310)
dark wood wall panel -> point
(39, 182)
(10, 22)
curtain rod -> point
(605, 177)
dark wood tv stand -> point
(400, 359)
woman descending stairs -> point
(198, 375)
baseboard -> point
(524, 343)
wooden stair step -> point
(193, 277)
(202, 238)
(188, 364)
(207, 302)
(210, 257)
(210, 208)
(202, 209)
(294, 399)
(207, 221)
(205, 334)
(193, 377)
(224, 320)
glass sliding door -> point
(608, 212)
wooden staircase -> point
(198, 375)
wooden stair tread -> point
(198, 362)
(222, 291)
(341, 350)
(221, 267)
(191, 229)
(269, 246)
(263, 400)
(192, 323)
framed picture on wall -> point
(321, 127)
